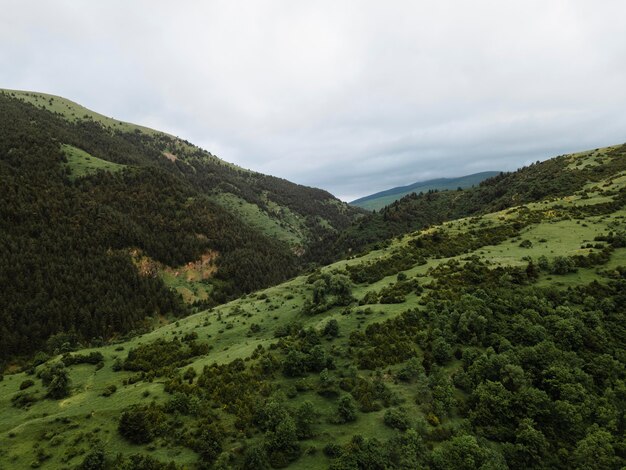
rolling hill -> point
(494, 340)
(381, 199)
(99, 218)
(555, 177)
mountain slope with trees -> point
(94, 211)
(491, 341)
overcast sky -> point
(351, 96)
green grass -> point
(278, 222)
(81, 163)
(227, 330)
(73, 111)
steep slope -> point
(555, 177)
(384, 198)
(94, 218)
(495, 341)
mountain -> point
(100, 218)
(555, 177)
(494, 340)
(384, 198)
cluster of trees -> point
(329, 290)
(372, 271)
(162, 357)
(394, 293)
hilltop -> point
(384, 198)
(494, 340)
(100, 218)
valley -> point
(486, 335)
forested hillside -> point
(555, 177)
(492, 341)
(96, 214)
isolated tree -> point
(57, 381)
(346, 409)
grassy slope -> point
(74, 111)
(80, 163)
(384, 198)
(89, 414)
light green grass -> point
(82, 163)
(73, 111)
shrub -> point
(141, 424)
(396, 418)
(26, 384)
(346, 410)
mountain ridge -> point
(383, 198)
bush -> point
(26, 384)
(141, 424)
(346, 410)
(109, 390)
(332, 450)
(56, 379)
(396, 418)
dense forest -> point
(65, 241)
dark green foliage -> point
(328, 291)
(232, 386)
(208, 443)
(162, 356)
(304, 353)
(255, 458)
(56, 378)
(464, 452)
(371, 272)
(143, 462)
(346, 410)
(23, 399)
(563, 265)
(94, 460)
(91, 358)
(403, 451)
(397, 418)
(141, 424)
(595, 451)
(331, 328)
(109, 390)
(411, 370)
(26, 384)
(305, 417)
(386, 343)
